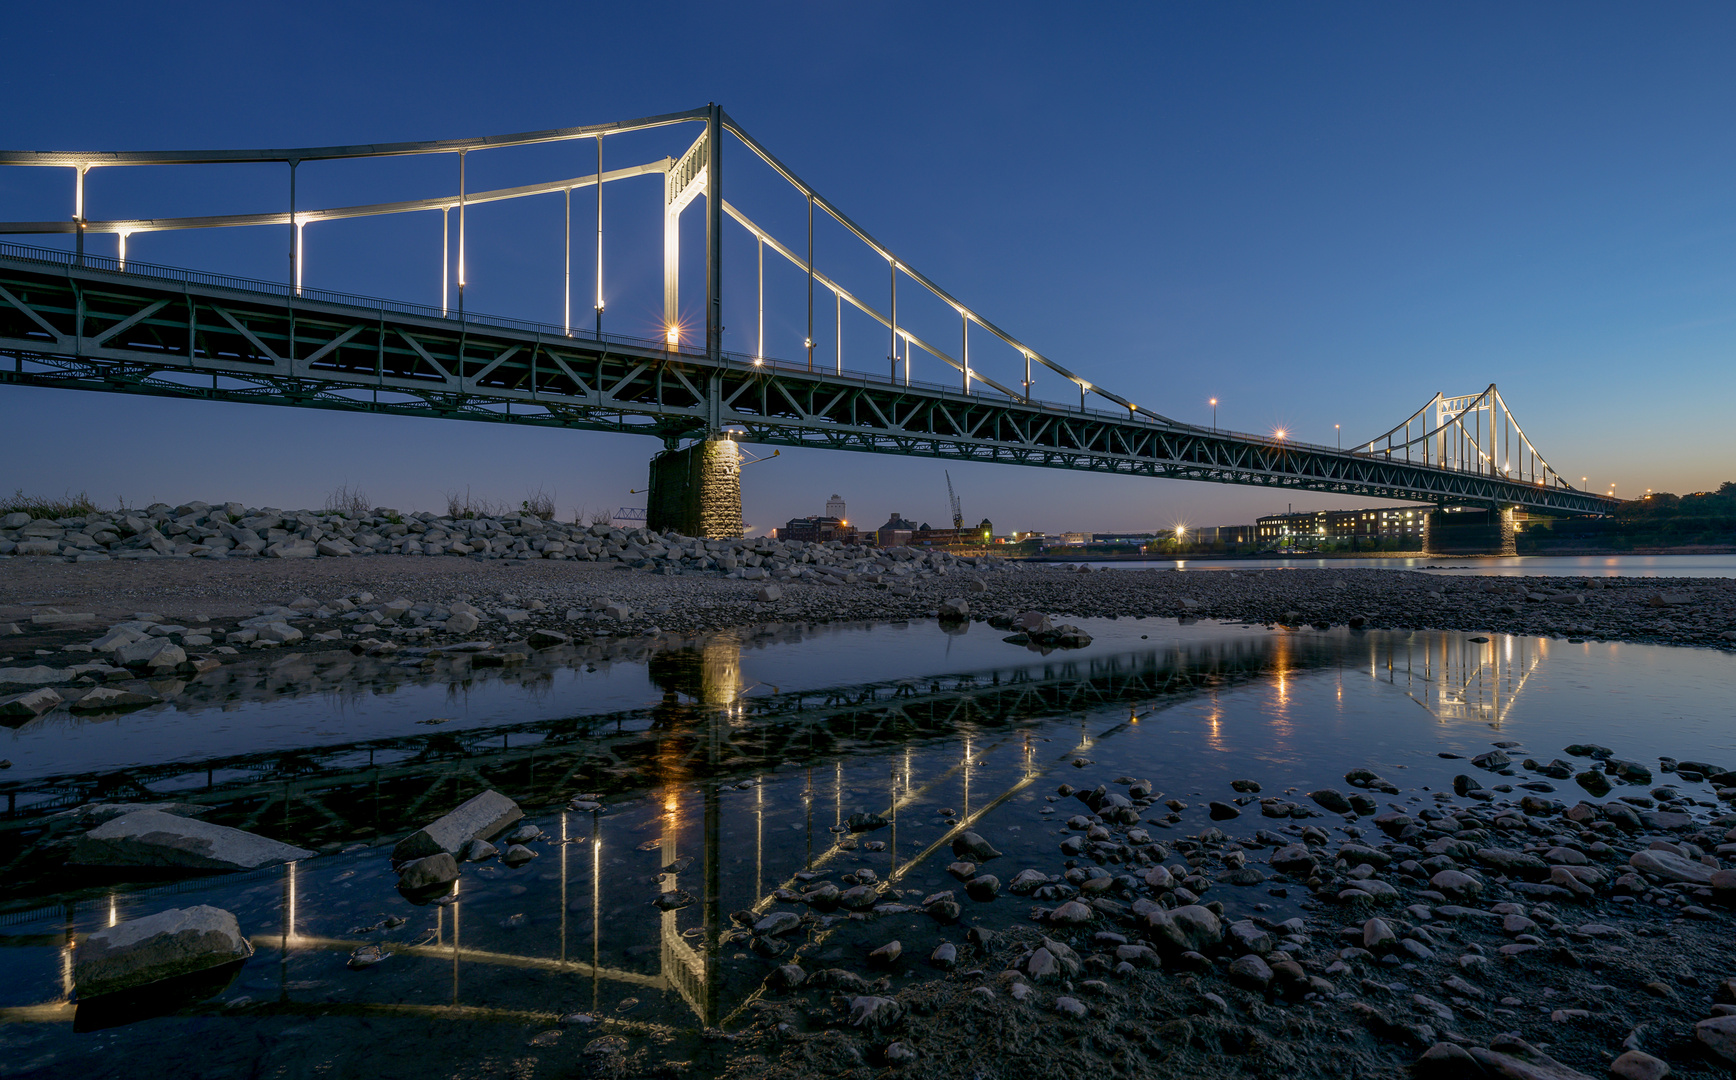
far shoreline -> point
(1566, 553)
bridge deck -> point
(187, 335)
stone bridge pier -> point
(1471, 530)
(696, 490)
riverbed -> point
(727, 766)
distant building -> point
(965, 537)
(1075, 539)
(1225, 535)
(1310, 528)
(817, 530)
(835, 508)
(895, 533)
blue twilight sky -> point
(1319, 214)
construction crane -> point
(957, 511)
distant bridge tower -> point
(835, 507)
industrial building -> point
(1311, 528)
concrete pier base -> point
(1470, 532)
(696, 491)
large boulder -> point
(153, 838)
(1671, 867)
(1718, 1036)
(480, 818)
(1515, 1059)
(954, 610)
(974, 846)
(152, 652)
(1294, 859)
(428, 872)
(180, 941)
(1193, 928)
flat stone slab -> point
(170, 943)
(104, 698)
(153, 838)
(59, 619)
(481, 818)
(90, 815)
(38, 675)
(1671, 867)
(31, 704)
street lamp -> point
(1338, 431)
(1214, 415)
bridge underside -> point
(84, 328)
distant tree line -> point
(1659, 519)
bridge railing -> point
(282, 290)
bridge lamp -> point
(1279, 434)
(1214, 414)
(672, 334)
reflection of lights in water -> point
(66, 970)
(563, 884)
(596, 911)
(290, 923)
(968, 756)
(720, 674)
(114, 915)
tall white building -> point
(835, 507)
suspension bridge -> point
(78, 319)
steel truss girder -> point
(82, 328)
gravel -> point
(578, 597)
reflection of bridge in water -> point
(707, 724)
(1456, 677)
(707, 733)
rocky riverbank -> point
(54, 612)
(1487, 921)
(1491, 930)
(1556, 914)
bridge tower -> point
(696, 490)
(1470, 530)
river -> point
(727, 765)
